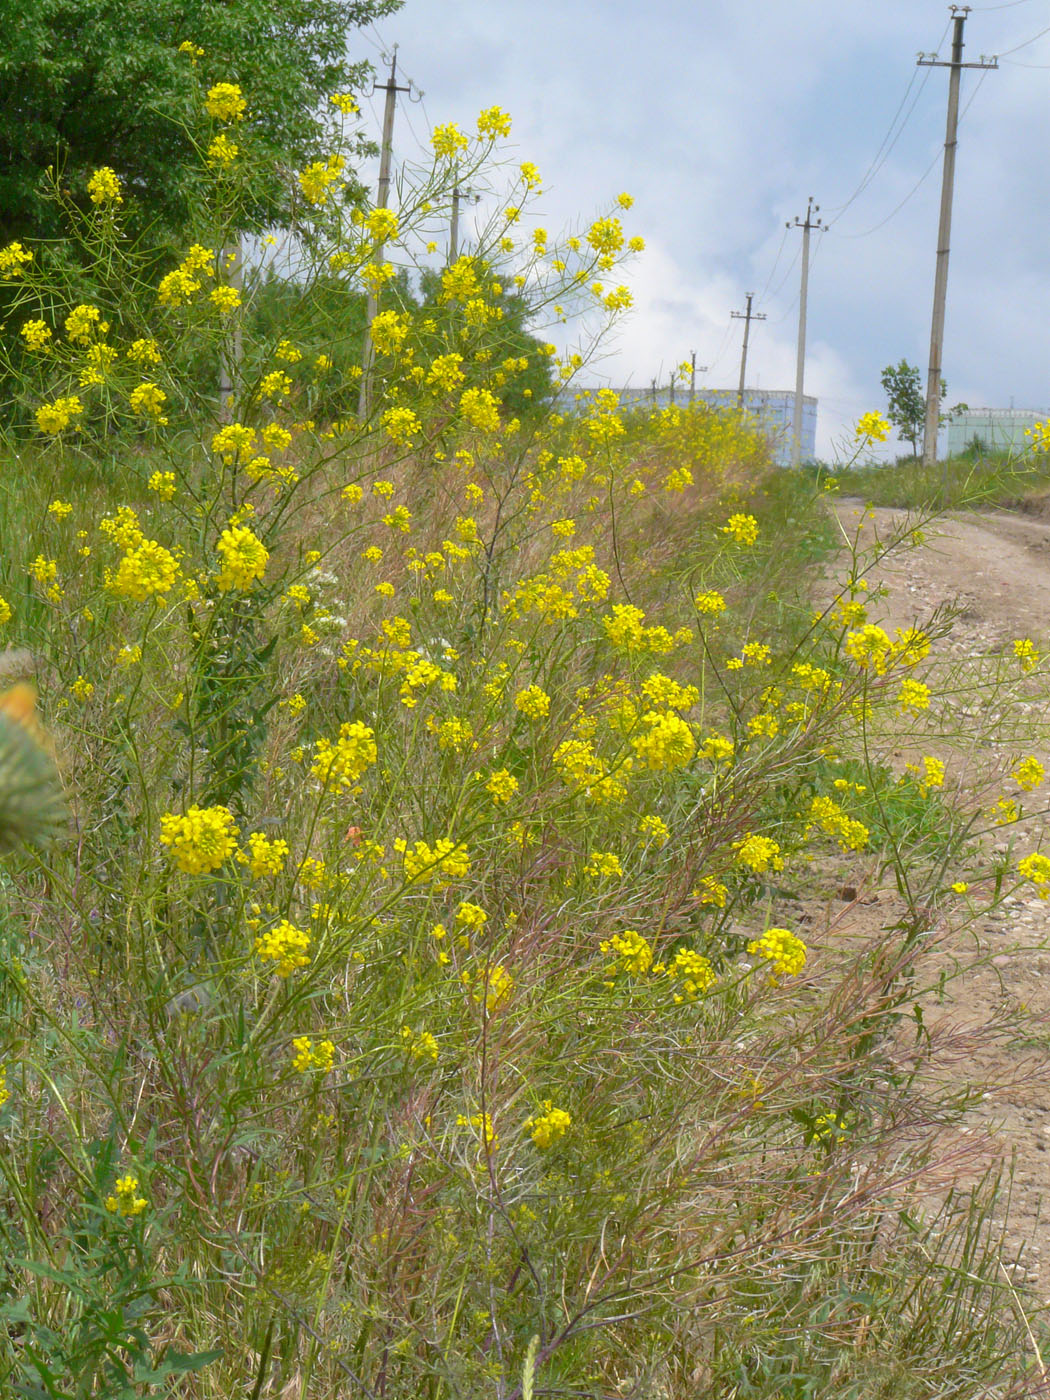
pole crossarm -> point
(747, 317)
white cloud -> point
(721, 118)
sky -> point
(720, 117)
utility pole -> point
(944, 232)
(458, 194)
(693, 367)
(364, 401)
(231, 354)
(800, 355)
(453, 233)
(747, 317)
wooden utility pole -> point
(747, 317)
(944, 232)
(364, 401)
(800, 354)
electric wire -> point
(1003, 53)
(762, 294)
(887, 144)
(719, 354)
(787, 273)
(922, 178)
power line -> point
(1004, 52)
(1008, 5)
(884, 151)
(765, 289)
(787, 274)
(723, 346)
(922, 178)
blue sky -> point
(720, 117)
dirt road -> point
(994, 568)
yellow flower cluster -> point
(421, 1045)
(339, 766)
(37, 336)
(783, 949)
(382, 224)
(318, 178)
(201, 839)
(104, 186)
(693, 972)
(144, 352)
(244, 559)
(580, 768)
(930, 774)
(222, 152)
(447, 859)
(482, 1124)
(147, 570)
(1036, 867)
(624, 629)
(914, 695)
(758, 853)
(501, 785)
(603, 865)
(225, 102)
(401, 426)
(177, 287)
(533, 702)
(55, 417)
(1029, 773)
(632, 951)
(309, 1056)
(493, 122)
(547, 1127)
(1027, 653)
(873, 426)
(284, 945)
(709, 602)
(666, 741)
(148, 400)
(448, 141)
(826, 813)
(265, 855)
(480, 408)
(13, 261)
(125, 1199)
(163, 484)
(741, 528)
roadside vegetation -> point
(417, 999)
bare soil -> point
(993, 1017)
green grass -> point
(959, 483)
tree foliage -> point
(86, 83)
(906, 402)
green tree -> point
(906, 402)
(86, 83)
